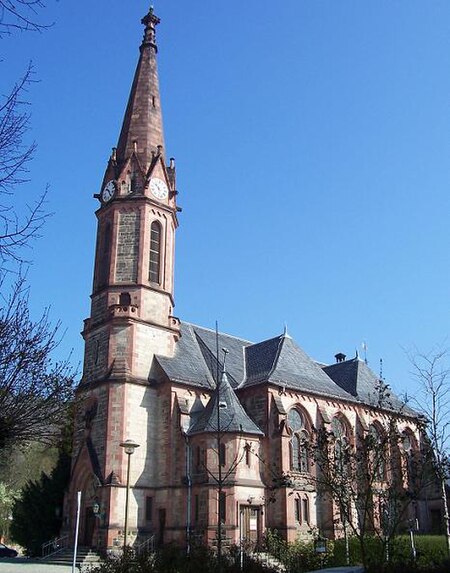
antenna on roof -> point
(217, 356)
(365, 347)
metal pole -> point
(189, 496)
(125, 532)
(413, 546)
(241, 537)
(77, 525)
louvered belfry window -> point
(155, 253)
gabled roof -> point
(282, 362)
(356, 378)
(195, 361)
(278, 361)
(224, 412)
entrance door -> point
(89, 526)
(250, 525)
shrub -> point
(173, 559)
(299, 556)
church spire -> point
(142, 129)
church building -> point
(211, 418)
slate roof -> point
(356, 378)
(195, 360)
(230, 417)
(279, 361)
(282, 362)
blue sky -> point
(312, 140)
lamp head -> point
(129, 446)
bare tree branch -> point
(20, 15)
(34, 390)
(431, 371)
(17, 231)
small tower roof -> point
(142, 128)
(224, 412)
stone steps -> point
(65, 557)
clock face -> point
(108, 191)
(158, 188)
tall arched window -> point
(408, 453)
(376, 453)
(155, 253)
(341, 444)
(299, 441)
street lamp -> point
(129, 446)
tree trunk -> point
(446, 516)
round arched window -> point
(299, 441)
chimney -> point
(340, 357)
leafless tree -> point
(34, 390)
(16, 231)
(20, 15)
(431, 371)
(370, 483)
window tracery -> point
(299, 441)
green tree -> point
(37, 514)
(7, 498)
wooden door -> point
(250, 526)
(89, 526)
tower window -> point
(305, 509)
(222, 455)
(155, 253)
(247, 450)
(148, 508)
(222, 507)
(298, 510)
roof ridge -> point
(277, 355)
(216, 358)
(213, 330)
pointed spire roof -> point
(224, 412)
(142, 128)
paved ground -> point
(21, 565)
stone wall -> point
(127, 247)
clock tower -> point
(132, 299)
(131, 318)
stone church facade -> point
(152, 378)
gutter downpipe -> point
(189, 495)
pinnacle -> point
(142, 128)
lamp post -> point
(129, 446)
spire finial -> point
(150, 22)
(285, 331)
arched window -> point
(299, 442)
(376, 453)
(155, 253)
(408, 453)
(341, 444)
